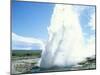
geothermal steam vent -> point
(65, 44)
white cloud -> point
(20, 42)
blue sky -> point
(31, 19)
(84, 19)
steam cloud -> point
(26, 43)
(66, 46)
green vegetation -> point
(25, 54)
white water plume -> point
(65, 45)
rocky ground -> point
(24, 65)
(30, 65)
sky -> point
(30, 21)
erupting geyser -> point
(65, 46)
